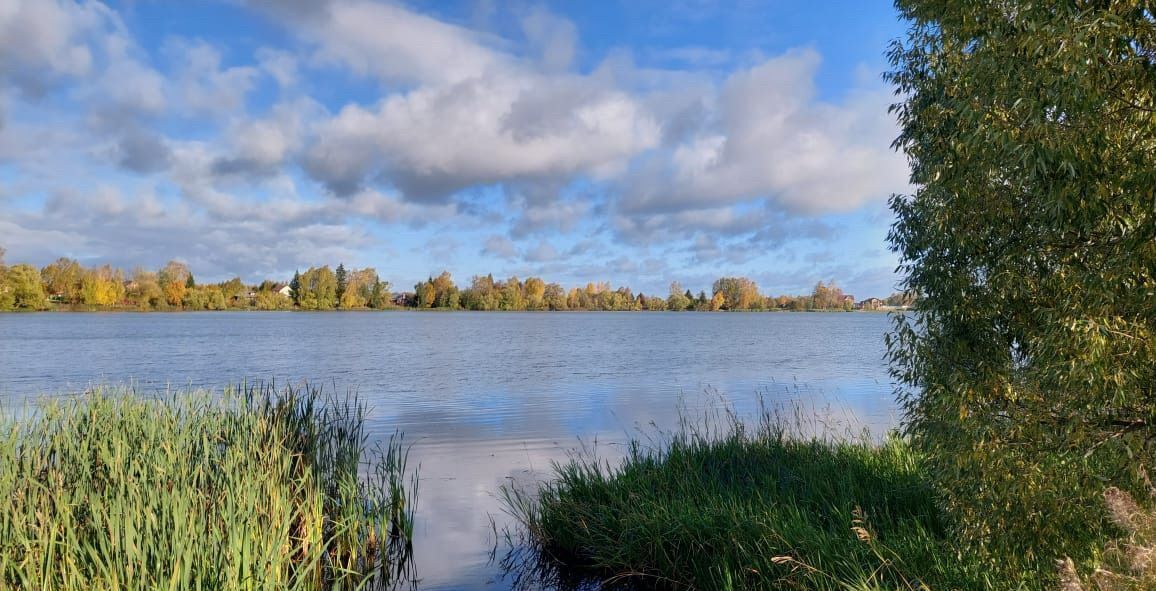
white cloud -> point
(396, 44)
(775, 140)
(281, 65)
(542, 253)
(41, 39)
(549, 217)
(500, 247)
(261, 147)
(127, 87)
(218, 234)
(204, 85)
(435, 140)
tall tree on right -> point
(1028, 369)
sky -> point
(633, 141)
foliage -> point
(738, 293)
(438, 292)
(1027, 369)
(252, 489)
(271, 300)
(363, 289)
(23, 289)
(174, 281)
(64, 280)
(67, 283)
(342, 277)
(102, 287)
(145, 290)
(6, 298)
(678, 300)
(318, 289)
(295, 288)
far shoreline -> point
(122, 310)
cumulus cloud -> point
(221, 238)
(128, 89)
(774, 139)
(261, 147)
(542, 253)
(41, 40)
(500, 247)
(141, 151)
(472, 112)
(389, 41)
(436, 140)
(281, 65)
(679, 158)
(206, 86)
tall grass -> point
(255, 488)
(743, 507)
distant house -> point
(849, 300)
(870, 304)
(284, 290)
(402, 299)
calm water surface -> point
(487, 398)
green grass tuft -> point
(745, 508)
(251, 489)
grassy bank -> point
(252, 489)
(746, 508)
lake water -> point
(486, 398)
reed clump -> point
(1129, 563)
(253, 488)
(743, 507)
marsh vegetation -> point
(252, 488)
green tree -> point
(24, 285)
(63, 279)
(437, 292)
(379, 295)
(512, 295)
(424, 294)
(295, 288)
(678, 300)
(145, 290)
(342, 281)
(235, 293)
(1027, 369)
(318, 289)
(6, 299)
(271, 300)
(554, 297)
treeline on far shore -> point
(66, 284)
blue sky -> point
(635, 142)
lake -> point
(486, 398)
